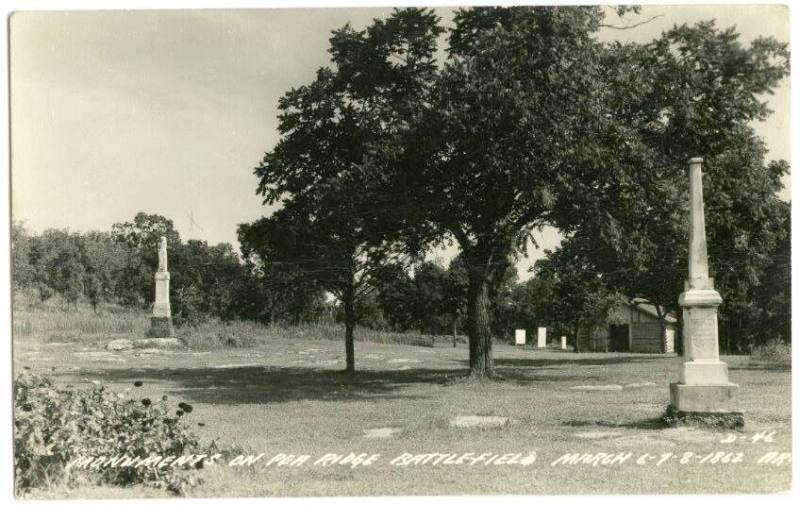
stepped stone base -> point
(161, 327)
(707, 404)
(719, 420)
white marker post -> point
(541, 334)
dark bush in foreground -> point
(54, 427)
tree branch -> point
(635, 25)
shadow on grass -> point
(644, 424)
(561, 363)
(763, 367)
(265, 384)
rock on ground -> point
(594, 435)
(690, 434)
(640, 384)
(606, 387)
(120, 344)
(99, 356)
(149, 350)
(381, 432)
(157, 342)
(478, 422)
(643, 441)
(237, 365)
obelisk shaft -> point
(698, 251)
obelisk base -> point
(161, 327)
(703, 395)
(713, 406)
(161, 322)
(717, 398)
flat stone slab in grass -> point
(373, 356)
(120, 344)
(161, 343)
(478, 422)
(640, 385)
(606, 387)
(403, 360)
(99, 356)
(405, 367)
(381, 432)
(689, 434)
(150, 350)
(643, 441)
(237, 365)
(596, 435)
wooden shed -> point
(637, 329)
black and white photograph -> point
(397, 249)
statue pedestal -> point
(703, 391)
(161, 321)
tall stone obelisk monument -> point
(161, 321)
(703, 389)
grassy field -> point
(286, 396)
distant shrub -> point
(55, 426)
(187, 307)
(328, 331)
(215, 334)
(774, 351)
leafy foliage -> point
(207, 281)
(53, 427)
(327, 228)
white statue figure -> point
(162, 255)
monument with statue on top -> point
(161, 320)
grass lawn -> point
(288, 396)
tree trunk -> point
(349, 326)
(480, 338)
(455, 329)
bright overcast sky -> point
(168, 112)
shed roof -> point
(645, 306)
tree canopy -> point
(530, 121)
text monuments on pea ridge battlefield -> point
(448, 251)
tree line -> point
(117, 266)
(214, 281)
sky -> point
(168, 112)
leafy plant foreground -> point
(53, 427)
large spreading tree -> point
(694, 91)
(515, 126)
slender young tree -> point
(331, 222)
